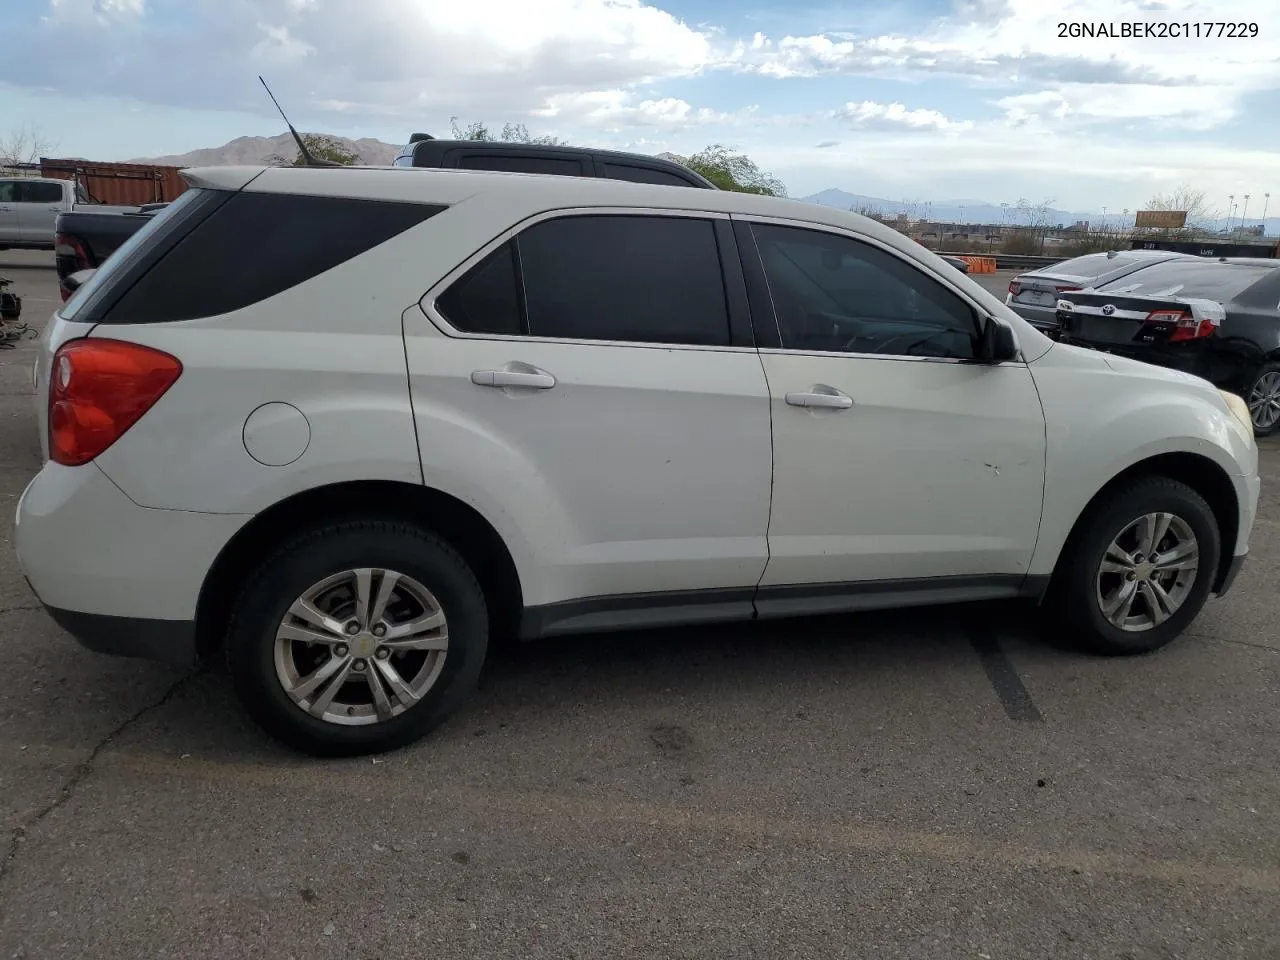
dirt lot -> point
(933, 785)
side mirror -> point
(997, 343)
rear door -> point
(9, 211)
(590, 366)
(39, 203)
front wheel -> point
(358, 637)
(1140, 569)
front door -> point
(586, 372)
(896, 457)
(9, 211)
(39, 203)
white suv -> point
(340, 425)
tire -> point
(428, 578)
(1264, 387)
(1081, 589)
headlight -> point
(1237, 406)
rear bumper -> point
(168, 641)
(120, 578)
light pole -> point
(1244, 213)
(1266, 202)
(1231, 211)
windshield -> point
(1190, 279)
(125, 253)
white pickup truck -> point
(29, 206)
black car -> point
(423, 150)
(1216, 319)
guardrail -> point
(1006, 261)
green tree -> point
(511, 133)
(321, 148)
(730, 170)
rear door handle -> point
(823, 396)
(530, 379)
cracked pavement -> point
(857, 787)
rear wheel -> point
(358, 637)
(1263, 398)
(1140, 569)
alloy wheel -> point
(1264, 400)
(361, 646)
(1147, 572)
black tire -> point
(1074, 604)
(329, 550)
(1264, 371)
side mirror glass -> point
(999, 345)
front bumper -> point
(120, 578)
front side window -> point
(631, 278)
(833, 294)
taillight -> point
(1186, 326)
(1015, 287)
(98, 389)
(67, 245)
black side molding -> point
(684, 608)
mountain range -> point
(255, 150)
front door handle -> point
(528, 377)
(823, 396)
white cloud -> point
(616, 109)
(869, 114)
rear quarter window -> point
(256, 245)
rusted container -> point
(125, 184)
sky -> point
(903, 99)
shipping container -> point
(124, 184)
(1210, 247)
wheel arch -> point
(470, 533)
(1200, 473)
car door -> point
(613, 406)
(897, 457)
(9, 211)
(39, 203)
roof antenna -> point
(307, 159)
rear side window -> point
(637, 279)
(8, 191)
(634, 174)
(486, 299)
(256, 245)
(514, 163)
(38, 191)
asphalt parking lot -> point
(925, 785)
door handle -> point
(822, 396)
(529, 379)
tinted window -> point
(256, 245)
(625, 171)
(486, 298)
(1091, 265)
(8, 191)
(512, 163)
(633, 278)
(404, 160)
(1190, 278)
(831, 293)
(37, 191)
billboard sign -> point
(1160, 219)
